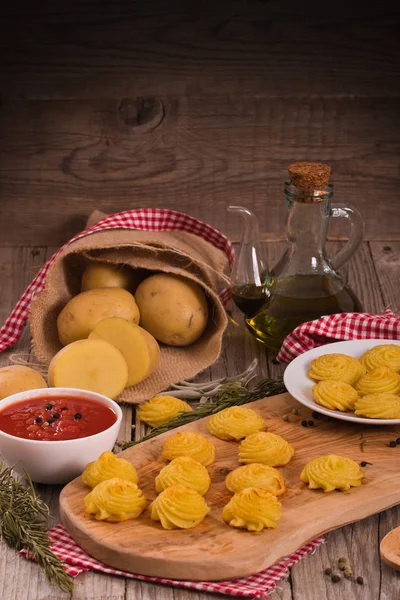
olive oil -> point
(249, 298)
(298, 299)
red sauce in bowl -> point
(56, 418)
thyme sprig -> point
(233, 393)
(24, 524)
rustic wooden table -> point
(194, 106)
(374, 275)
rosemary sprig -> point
(24, 523)
(233, 393)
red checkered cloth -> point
(335, 328)
(143, 219)
(256, 586)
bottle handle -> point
(356, 233)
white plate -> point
(299, 385)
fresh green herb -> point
(363, 444)
(233, 393)
(24, 524)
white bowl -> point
(57, 461)
(299, 385)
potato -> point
(106, 275)
(173, 309)
(93, 365)
(82, 313)
(136, 345)
(17, 378)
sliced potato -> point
(93, 365)
(137, 346)
(82, 313)
(17, 378)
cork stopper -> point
(309, 175)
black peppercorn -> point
(315, 415)
(363, 463)
(398, 441)
(304, 423)
(77, 416)
(49, 406)
(328, 571)
(38, 419)
(310, 423)
(393, 444)
(335, 578)
(360, 580)
(50, 421)
(64, 408)
(56, 415)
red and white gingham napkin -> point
(335, 328)
(142, 219)
(256, 586)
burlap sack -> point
(172, 252)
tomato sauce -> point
(56, 418)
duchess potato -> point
(173, 309)
(82, 313)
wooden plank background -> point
(118, 105)
(194, 106)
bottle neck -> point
(307, 228)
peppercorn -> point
(342, 559)
(38, 419)
(315, 415)
(64, 408)
(304, 423)
(50, 421)
(398, 441)
(49, 406)
(328, 571)
(286, 418)
(342, 566)
(393, 444)
(348, 572)
(360, 580)
(310, 423)
(77, 416)
(296, 411)
(56, 415)
(335, 578)
(363, 463)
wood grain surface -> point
(214, 551)
(374, 276)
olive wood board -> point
(213, 551)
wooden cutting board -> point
(213, 550)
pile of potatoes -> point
(111, 331)
(111, 337)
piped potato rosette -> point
(184, 470)
(253, 509)
(256, 475)
(339, 367)
(179, 507)
(378, 406)
(381, 380)
(384, 355)
(189, 443)
(235, 423)
(160, 409)
(108, 466)
(331, 472)
(266, 448)
(335, 395)
(115, 500)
